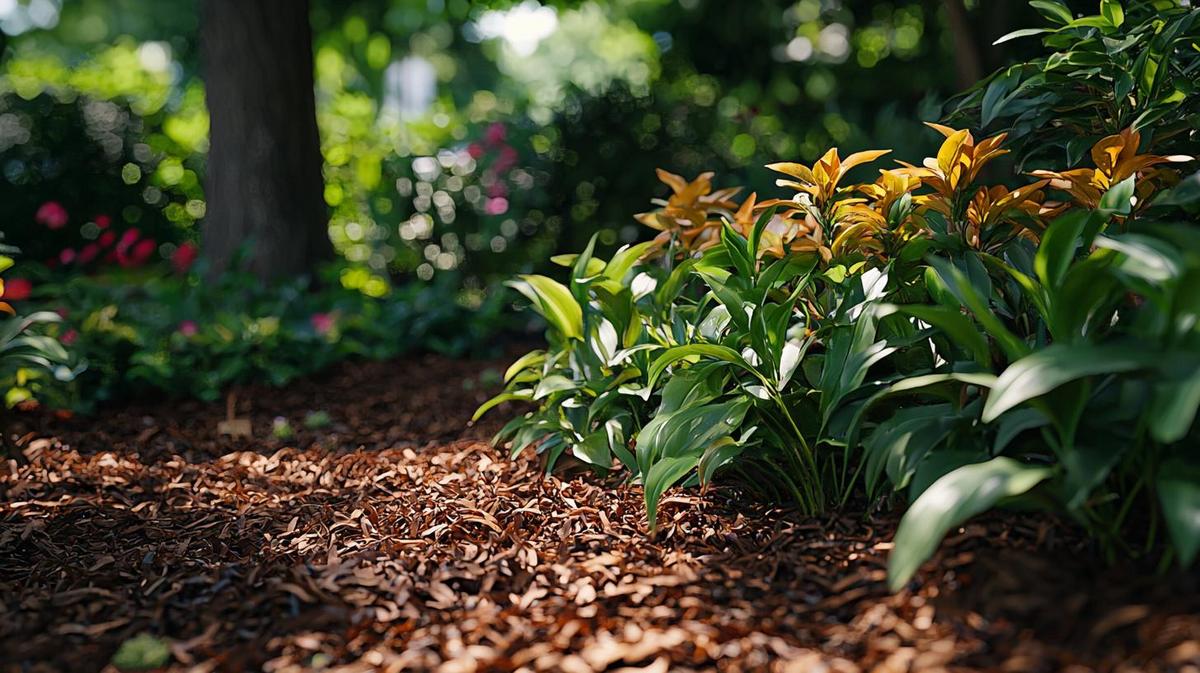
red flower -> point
(66, 256)
(495, 133)
(52, 215)
(141, 253)
(188, 328)
(131, 252)
(69, 337)
(127, 239)
(16, 289)
(475, 150)
(103, 221)
(322, 322)
(106, 239)
(183, 257)
(87, 254)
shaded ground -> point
(398, 539)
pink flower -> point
(66, 256)
(188, 328)
(475, 150)
(52, 215)
(106, 239)
(495, 133)
(103, 221)
(131, 252)
(183, 257)
(506, 160)
(497, 206)
(69, 337)
(127, 239)
(498, 189)
(322, 322)
(16, 289)
(87, 254)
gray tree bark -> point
(264, 185)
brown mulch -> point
(398, 539)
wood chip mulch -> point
(397, 539)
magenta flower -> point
(52, 215)
(106, 239)
(67, 256)
(88, 253)
(497, 206)
(323, 323)
(495, 133)
(142, 251)
(103, 221)
(475, 150)
(188, 328)
(183, 257)
(506, 160)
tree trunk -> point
(264, 184)
(966, 50)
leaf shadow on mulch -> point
(397, 539)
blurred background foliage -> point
(464, 141)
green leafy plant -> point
(1133, 65)
(30, 356)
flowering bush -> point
(171, 334)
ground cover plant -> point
(965, 339)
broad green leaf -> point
(677, 353)
(1054, 10)
(1024, 32)
(1172, 411)
(1041, 372)
(520, 396)
(688, 431)
(1144, 256)
(625, 259)
(530, 359)
(1119, 198)
(949, 502)
(661, 476)
(760, 225)
(595, 266)
(960, 286)
(957, 326)
(1112, 11)
(555, 383)
(1179, 494)
(1057, 250)
(554, 302)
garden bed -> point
(398, 539)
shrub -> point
(152, 332)
(971, 344)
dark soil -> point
(398, 539)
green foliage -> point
(1132, 65)
(970, 346)
(31, 359)
(153, 333)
